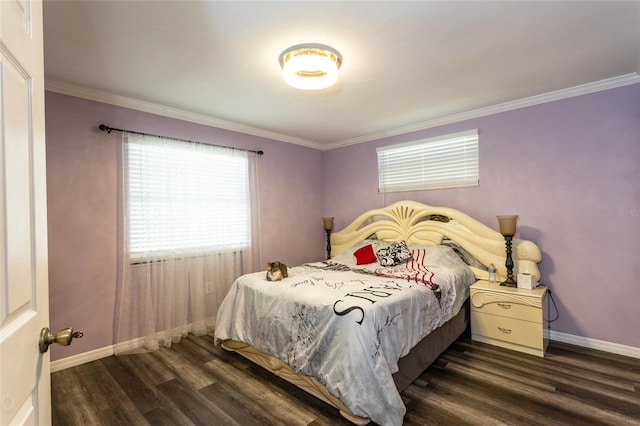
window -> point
(185, 198)
(449, 161)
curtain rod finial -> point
(104, 127)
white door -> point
(25, 396)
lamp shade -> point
(328, 223)
(508, 225)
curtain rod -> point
(105, 128)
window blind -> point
(185, 198)
(449, 161)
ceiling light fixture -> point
(310, 66)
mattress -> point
(349, 327)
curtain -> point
(189, 227)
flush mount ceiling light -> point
(310, 66)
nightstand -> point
(513, 318)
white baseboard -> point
(585, 342)
(600, 345)
(72, 361)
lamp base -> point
(328, 231)
(509, 282)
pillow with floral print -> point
(393, 254)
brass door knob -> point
(62, 337)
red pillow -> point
(365, 255)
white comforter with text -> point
(348, 329)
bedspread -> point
(346, 329)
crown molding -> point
(164, 111)
(139, 105)
(598, 86)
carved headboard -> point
(420, 224)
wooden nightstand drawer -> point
(488, 303)
(509, 330)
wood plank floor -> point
(196, 383)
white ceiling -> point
(406, 64)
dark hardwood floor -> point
(196, 383)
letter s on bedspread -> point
(348, 329)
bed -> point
(357, 329)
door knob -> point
(62, 337)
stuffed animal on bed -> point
(276, 271)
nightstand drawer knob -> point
(505, 330)
(504, 305)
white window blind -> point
(185, 198)
(448, 161)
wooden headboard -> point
(417, 223)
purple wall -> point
(570, 169)
(82, 188)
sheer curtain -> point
(189, 228)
